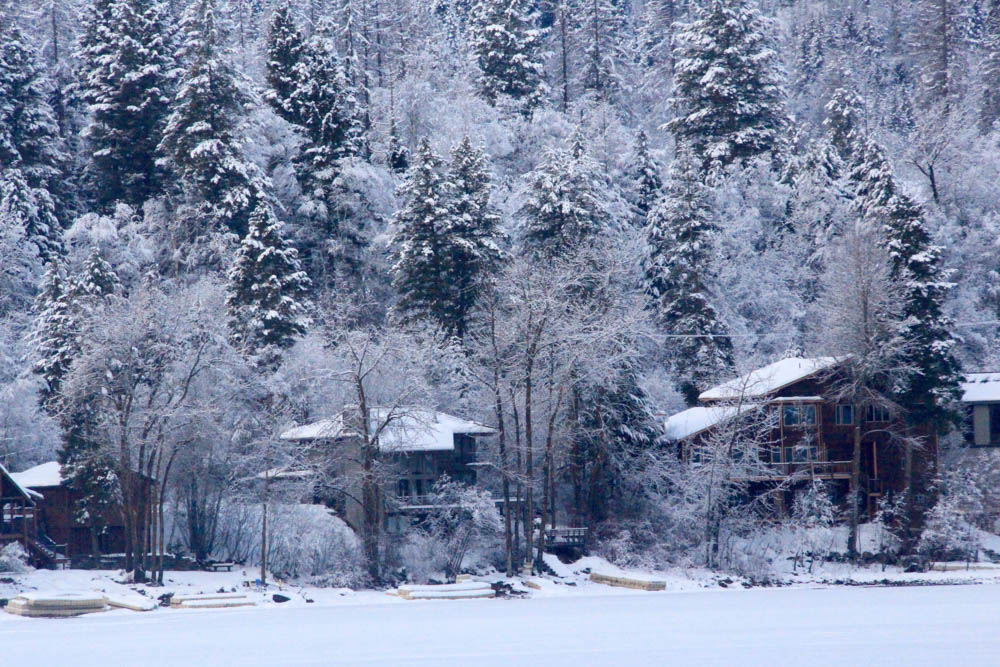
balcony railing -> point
(805, 470)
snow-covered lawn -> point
(932, 625)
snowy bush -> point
(813, 515)
(465, 522)
(949, 531)
(304, 542)
(14, 559)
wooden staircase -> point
(46, 553)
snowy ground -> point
(933, 625)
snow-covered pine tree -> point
(285, 45)
(29, 135)
(31, 156)
(473, 234)
(127, 85)
(267, 288)
(845, 123)
(646, 179)
(507, 45)
(96, 281)
(566, 201)
(34, 210)
(929, 387)
(52, 336)
(397, 154)
(677, 273)
(326, 108)
(421, 267)
(59, 307)
(20, 265)
(728, 93)
(200, 139)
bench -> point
(218, 567)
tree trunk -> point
(854, 490)
(504, 475)
(263, 530)
(529, 510)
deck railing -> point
(803, 470)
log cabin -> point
(417, 447)
(809, 434)
(56, 516)
(18, 520)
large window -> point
(798, 415)
(844, 415)
(875, 414)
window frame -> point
(839, 411)
(799, 410)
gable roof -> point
(416, 430)
(46, 474)
(981, 388)
(698, 419)
(767, 380)
(28, 494)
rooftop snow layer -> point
(46, 474)
(697, 419)
(981, 388)
(412, 431)
(767, 380)
(21, 487)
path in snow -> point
(944, 625)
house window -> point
(808, 414)
(403, 488)
(791, 415)
(844, 415)
(876, 414)
(799, 415)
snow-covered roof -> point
(28, 493)
(767, 380)
(285, 472)
(324, 428)
(694, 420)
(46, 474)
(414, 430)
(981, 388)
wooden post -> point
(852, 540)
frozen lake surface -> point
(939, 625)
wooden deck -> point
(808, 470)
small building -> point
(57, 511)
(981, 399)
(17, 513)
(418, 445)
(810, 433)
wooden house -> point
(56, 506)
(981, 401)
(810, 435)
(418, 446)
(17, 513)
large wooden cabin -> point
(57, 515)
(419, 445)
(810, 433)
